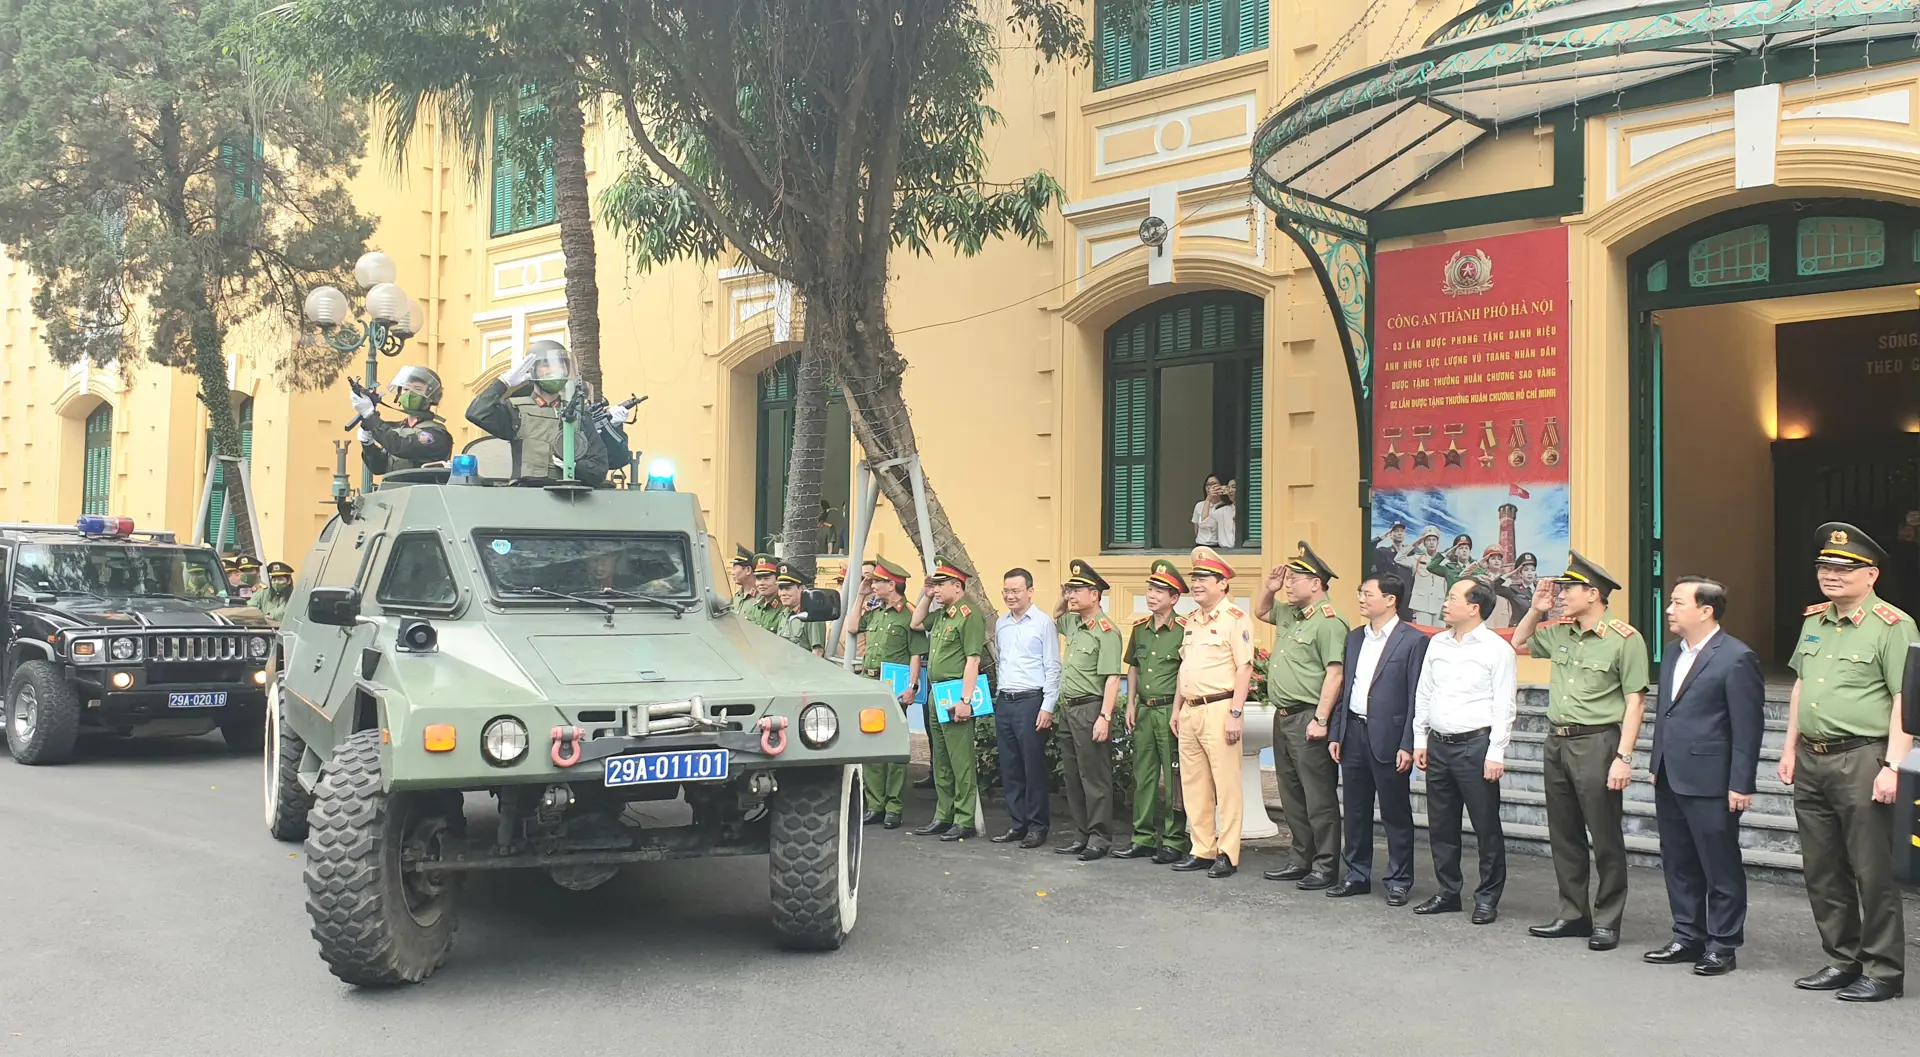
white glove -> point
(620, 413)
(522, 372)
(366, 436)
(362, 405)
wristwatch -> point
(1891, 766)
(1234, 712)
(1624, 757)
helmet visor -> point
(550, 361)
(424, 384)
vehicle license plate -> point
(685, 765)
(207, 700)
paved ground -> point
(146, 912)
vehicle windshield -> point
(526, 564)
(119, 571)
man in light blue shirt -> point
(1028, 650)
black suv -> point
(112, 631)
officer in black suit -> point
(1372, 738)
(1709, 717)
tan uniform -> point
(1217, 643)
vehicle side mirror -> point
(818, 606)
(337, 606)
(1910, 691)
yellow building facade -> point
(1071, 398)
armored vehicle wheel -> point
(42, 714)
(287, 801)
(377, 926)
(814, 856)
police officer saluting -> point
(1303, 683)
(532, 421)
(956, 641)
(1153, 675)
(1596, 699)
(1090, 671)
(421, 439)
(887, 637)
(1844, 744)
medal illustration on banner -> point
(1455, 455)
(1488, 442)
(1391, 460)
(1517, 440)
(1550, 442)
(1422, 458)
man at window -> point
(1213, 515)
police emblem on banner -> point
(1467, 274)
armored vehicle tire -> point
(814, 856)
(376, 925)
(42, 714)
(287, 801)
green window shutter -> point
(543, 212)
(97, 483)
(1158, 24)
(1214, 40)
(1128, 432)
(1116, 52)
(503, 179)
(1253, 25)
(1252, 493)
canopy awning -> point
(1357, 144)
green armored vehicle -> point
(488, 677)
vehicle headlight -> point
(124, 649)
(259, 646)
(819, 725)
(504, 741)
(87, 651)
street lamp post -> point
(389, 318)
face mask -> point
(410, 400)
(551, 385)
(281, 587)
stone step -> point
(1761, 832)
(1533, 720)
(1532, 744)
(1523, 775)
(1779, 867)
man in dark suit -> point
(1371, 738)
(1706, 745)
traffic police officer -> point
(887, 637)
(1153, 673)
(421, 439)
(1303, 684)
(1090, 672)
(272, 599)
(532, 422)
(956, 641)
(1845, 740)
(763, 609)
(806, 634)
(1216, 670)
(1596, 699)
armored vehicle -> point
(482, 677)
(107, 630)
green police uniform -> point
(890, 639)
(1849, 664)
(1153, 651)
(808, 635)
(1094, 654)
(1309, 640)
(954, 633)
(1594, 671)
(275, 608)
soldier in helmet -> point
(531, 421)
(272, 599)
(421, 439)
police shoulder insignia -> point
(1622, 627)
(965, 611)
(1105, 624)
(1887, 613)
(1146, 618)
(1817, 607)
(1326, 609)
(1234, 611)
(426, 437)
(1182, 621)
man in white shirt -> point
(1029, 657)
(1463, 713)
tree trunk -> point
(806, 462)
(573, 205)
(210, 367)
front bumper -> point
(145, 698)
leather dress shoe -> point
(1079, 845)
(1012, 836)
(1396, 897)
(1831, 978)
(1314, 882)
(959, 833)
(1562, 928)
(1714, 963)
(1191, 865)
(1349, 888)
(1867, 989)
(1168, 856)
(892, 821)
(1674, 953)
(1034, 840)
(872, 818)
(1439, 903)
(933, 829)
(1603, 939)
(1094, 851)
(1222, 867)
(1286, 873)
(1485, 913)
(1135, 851)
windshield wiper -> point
(545, 593)
(678, 608)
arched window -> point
(777, 388)
(1184, 385)
(97, 487)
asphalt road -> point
(147, 912)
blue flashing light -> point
(660, 476)
(463, 469)
(104, 525)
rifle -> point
(361, 390)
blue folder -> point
(947, 694)
(895, 676)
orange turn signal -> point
(873, 720)
(439, 737)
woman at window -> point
(1213, 514)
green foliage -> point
(986, 754)
(146, 164)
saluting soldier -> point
(1596, 699)
(532, 423)
(806, 634)
(740, 569)
(1216, 671)
(1303, 685)
(1845, 741)
(956, 641)
(886, 636)
(1090, 671)
(764, 608)
(1153, 676)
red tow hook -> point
(773, 734)
(565, 738)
